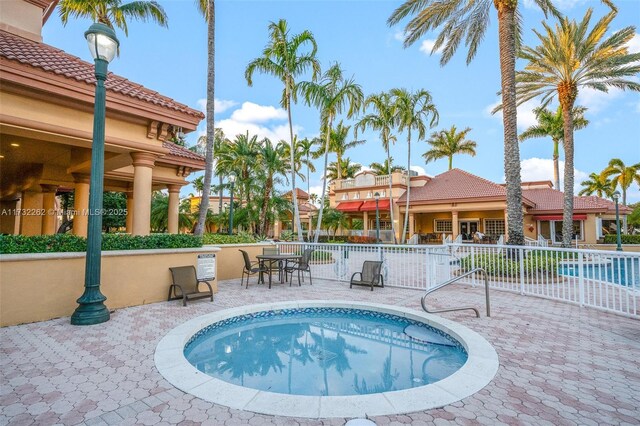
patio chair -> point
(301, 266)
(370, 275)
(251, 268)
(186, 282)
(275, 266)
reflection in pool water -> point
(318, 351)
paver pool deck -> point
(559, 363)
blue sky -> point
(354, 33)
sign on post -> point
(206, 268)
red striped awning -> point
(559, 217)
(370, 206)
(349, 206)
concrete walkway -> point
(559, 364)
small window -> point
(356, 196)
(443, 226)
(494, 226)
(345, 197)
(369, 194)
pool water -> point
(323, 352)
(625, 271)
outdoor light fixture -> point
(616, 197)
(377, 197)
(232, 180)
(91, 309)
(15, 144)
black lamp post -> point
(91, 309)
(232, 180)
(616, 197)
(377, 197)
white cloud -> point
(595, 100)
(526, 116)
(317, 189)
(399, 35)
(220, 105)
(534, 169)
(420, 170)
(231, 128)
(254, 113)
(634, 44)
(427, 47)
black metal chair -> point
(301, 266)
(186, 281)
(251, 268)
(370, 276)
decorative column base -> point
(91, 309)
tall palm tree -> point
(332, 95)
(597, 184)
(281, 58)
(339, 145)
(622, 175)
(447, 143)
(240, 158)
(272, 161)
(207, 8)
(384, 167)
(551, 124)
(113, 13)
(383, 118)
(306, 148)
(413, 110)
(347, 169)
(219, 142)
(455, 20)
(571, 56)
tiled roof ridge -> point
(181, 151)
(472, 176)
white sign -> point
(206, 268)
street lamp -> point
(377, 197)
(616, 197)
(232, 180)
(91, 309)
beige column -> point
(50, 216)
(81, 205)
(31, 218)
(129, 212)
(506, 226)
(412, 227)
(365, 223)
(143, 163)
(276, 229)
(455, 227)
(174, 200)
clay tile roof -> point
(455, 184)
(307, 207)
(180, 151)
(299, 194)
(56, 61)
(547, 199)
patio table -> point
(271, 258)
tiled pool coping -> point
(476, 373)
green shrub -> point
(241, 238)
(330, 239)
(625, 238)
(286, 235)
(503, 265)
(12, 244)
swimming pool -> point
(625, 271)
(322, 365)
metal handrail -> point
(465, 308)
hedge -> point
(228, 239)
(625, 238)
(13, 244)
(502, 265)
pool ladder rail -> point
(464, 308)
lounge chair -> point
(370, 275)
(301, 266)
(186, 281)
(251, 268)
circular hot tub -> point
(326, 359)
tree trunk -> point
(324, 181)
(507, 43)
(406, 209)
(294, 196)
(264, 225)
(220, 195)
(567, 96)
(556, 164)
(450, 162)
(211, 78)
(393, 228)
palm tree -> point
(456, 20)
(447, 143)
(569, 57)
(383, 119)
(622, 175)
(306, 146)
(347, 169)
(551, 124)
(197, 184)
(113, 12)
(339, 145)
(384, 167)
(413, 109)
(207, 8)
(331, 95)
(281, 59)
(272, 163)
(597, 184)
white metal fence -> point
(606, 280)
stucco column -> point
(142, 173)
(81, 205)
(412, 220)
(31, 219)
(50, 216)
(174, 200)
(129, 220)
(506, 226)
(276, 229)
(365, 223)
(455, 227)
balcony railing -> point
(378, 181)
